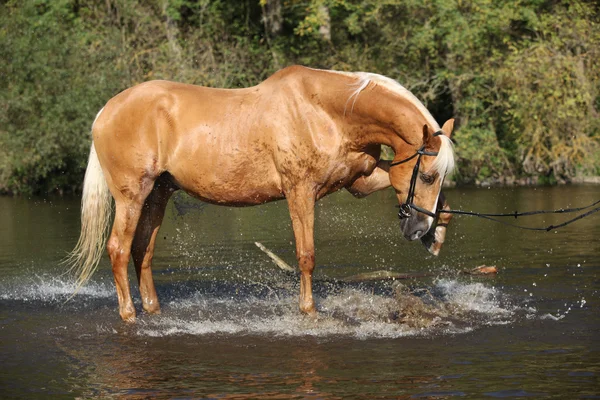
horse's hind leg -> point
(142, 249)
(127, 214)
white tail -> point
(95, 218)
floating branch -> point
(379, 275)
(278, 261)
(384, 276)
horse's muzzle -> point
(414, 227)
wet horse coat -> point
(299, 135)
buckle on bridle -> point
(404, 211)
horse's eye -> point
(428, 179)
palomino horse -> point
(299, 135)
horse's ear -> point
(426, 135)
(448, 127)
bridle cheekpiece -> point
(405, 208)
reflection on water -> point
(230, 326)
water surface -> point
(230, 326)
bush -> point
(520, 77)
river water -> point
(230, 328)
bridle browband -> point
(405, 208)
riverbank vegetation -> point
(521, 77)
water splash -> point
(473, 297)
(449, 307)
(383, 310)
(51, 289)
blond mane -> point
(444, 163)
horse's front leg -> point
(434, 239)
(367, 184)
(301, 202)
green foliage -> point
(521, 77)
(55, 82)
(557, 130)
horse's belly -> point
(237, 189)
(235, 198)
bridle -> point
(408, 205)
(405, 208)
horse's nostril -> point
(416, 235)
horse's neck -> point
(394, 120)
(379, 115)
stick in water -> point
(278, 261)
(378, 275)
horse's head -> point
(417, 176)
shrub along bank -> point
(520, 77)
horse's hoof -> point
(309, 309)
(129, 320)
(152, 309)
(128, 316)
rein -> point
(406, 207)
(489, 216)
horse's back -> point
(207, 139)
